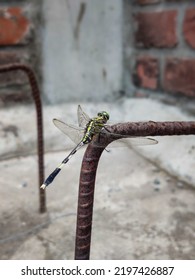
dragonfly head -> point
(104, 115)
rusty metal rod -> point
(154, 128)
(40, 143)
(85, 201)
(89, 168)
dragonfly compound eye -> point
(104, 114)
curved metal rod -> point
(38, 106)
(89, 168)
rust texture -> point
(89, 168)
(154, 128)
(40, 144)
(85, 201)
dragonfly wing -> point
(138, 141)
(131, 140)
(73, 132)
(83, 118)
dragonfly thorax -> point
(94, 126)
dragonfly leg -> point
(107, 129)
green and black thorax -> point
(94, 126)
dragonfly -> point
(84, 133)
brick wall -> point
(159, 47)
(163, 42)
(19, 28)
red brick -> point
(189, 27)
(157, 29)
(14, 26)
(147, 71)
(179, 76)
(147, 2)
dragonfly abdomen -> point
(52, 176)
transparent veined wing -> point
(73, 132)
(83, 118)
(138, 141)
(129, 141)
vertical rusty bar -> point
(85, 202)
(40, 142)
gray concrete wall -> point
(82, 50)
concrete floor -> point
(144, 201)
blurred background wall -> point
(20, 42)
(82, 49)
(101, 50)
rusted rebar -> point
(89, 168)
(40, 144)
